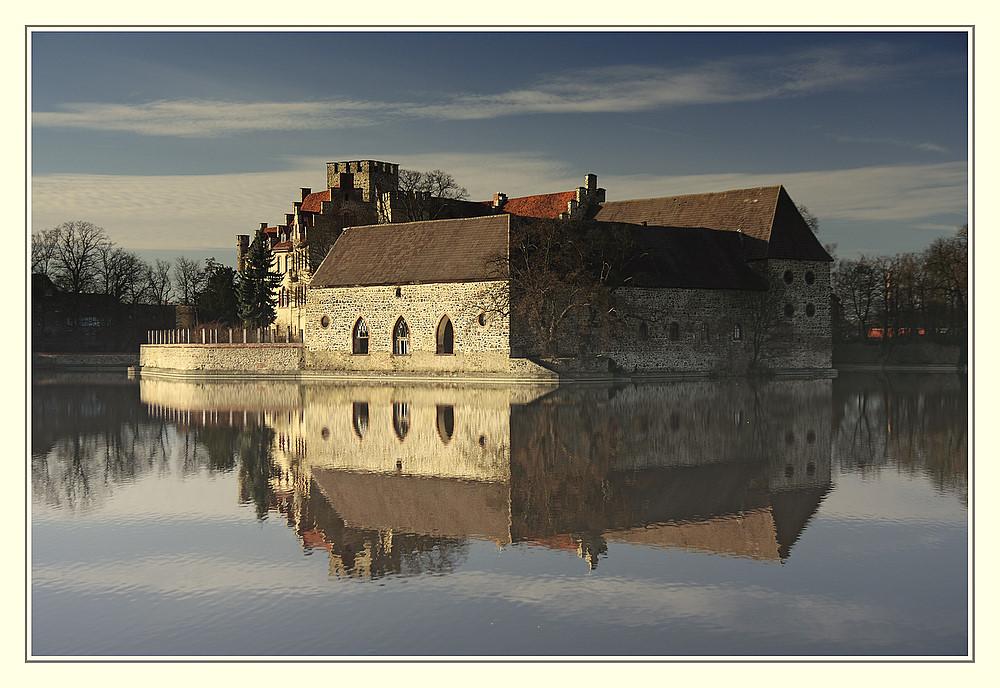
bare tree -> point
(43, 248)
(857, 285)
(158, 281)
(188, 279)
(76, 254)
(946, 262)
(561, 271)
(811, 220)
(762, 313)
(424, 195)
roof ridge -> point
(411, 223)
(705, 193)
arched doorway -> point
(445, 336)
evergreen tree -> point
(218, 301)
(257, 283)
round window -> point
(482, 319)
(810, 310)
(789, 276)
(810, 277)
(325, 321)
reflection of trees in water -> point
(88, 438)
(257, 469)
(914, 423)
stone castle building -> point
(381, 281)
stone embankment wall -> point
(222, 358)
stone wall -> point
(479, 345)
(805, 287)
(714, 327)
(226, 358)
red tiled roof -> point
(271, 230)
(281, 246)
(313, 203)
(544, 205)
(461, 250)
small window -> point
(643, 331)
(737, 332)
(359, 339)
(675, 331)
(482, 319)
(446, 422)
(399, 292)
(789, 310)
(704, 331)
(445, 336)
(810, 277)
(810, 310)
(359, 418)
(789, 276)
(324, 321)
(401, 338)
(401, 420)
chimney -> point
(590, 182)
(499, 199)
(305, 192)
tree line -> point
(916, 294)
(82, 280)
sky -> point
(176, 141)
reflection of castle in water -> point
(390, 478)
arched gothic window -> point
(704, 331)
(445, 336)
(401, 338)
(359, 339)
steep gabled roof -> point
(462, 250)
(765, 214)
(313, 203)
(543, 205)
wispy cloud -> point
(613, 89)
(885, 141)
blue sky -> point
(175, 142)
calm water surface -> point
(292, 520)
